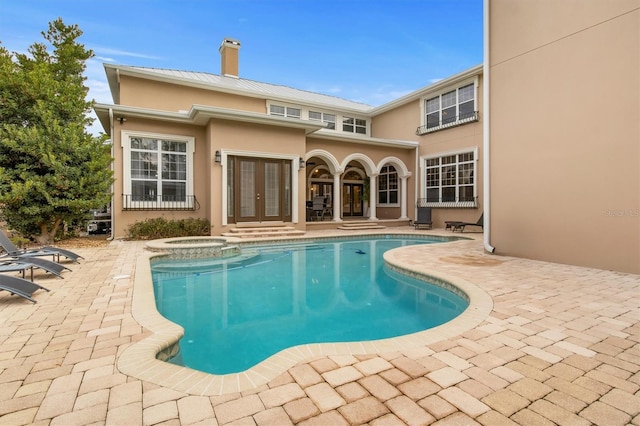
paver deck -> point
(561, 345)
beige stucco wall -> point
(402, 122)
(253, 140)
(564, 132)
(202, 163)
(172, 97)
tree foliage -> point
(52, 171)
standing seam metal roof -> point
(254, 87)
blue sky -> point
(371, 51)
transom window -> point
(388, 185)
(354, 125)
(450, 180)
(158, 173)
(330, 119)
(284, 111)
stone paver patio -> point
(561, 345)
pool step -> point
(263, 231)
(361, 225)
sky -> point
(370, 51)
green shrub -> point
(151, 229)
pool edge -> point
(140, 360)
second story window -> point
(450, 108)
(329, 119)
(284, 111)
(354, 125)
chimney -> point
(229, 57)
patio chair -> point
(424, 218)
(22, 265)
(20, 286)
(459, 226)
(319, 207)
(55, 252)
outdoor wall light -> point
(121, 120)
(218, 157)
(302, 163)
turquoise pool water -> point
(238, 312)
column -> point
(373, 196)
(403, 198)
(337, 201)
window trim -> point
(397, 190)
(423, 129)
(125, 142)
(450, 204)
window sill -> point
(423, 130)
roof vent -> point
(229, 50)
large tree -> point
(52, 170)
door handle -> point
(257, 196)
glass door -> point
(352, 202)
(261, 190)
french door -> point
(352, 201)
(261, 189)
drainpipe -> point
(486, 164)
(416, 186)
(112, 154)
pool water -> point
(239, 311)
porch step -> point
(262, 232)
(361, 225)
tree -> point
(52, 171)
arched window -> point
(388, 185)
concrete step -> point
(262, 229)
(361, 224)
(263, 233)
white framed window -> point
(285, 111)
(450, 179)
(354, 125)
(452, 107)
(388, 186)
(329, 119)
(158, 171)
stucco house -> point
(246, 154)
(542, 139)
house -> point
(243, 153)
(543, 138)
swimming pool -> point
(237, 312)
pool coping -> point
(140, 359)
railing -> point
(467, 117)
(444, 204)
(159, 202)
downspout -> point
(486, 163)
(416, 186)
(111, 129)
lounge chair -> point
(20, 286)
(424, 218)
(459, 226)
(55, 252)
(24, 264)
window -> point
(450, 180)
(448, 109)
(354, 125)
(284, 111)
(159, 172)
(330, 119)
(388, 185)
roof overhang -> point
(364, 140)
(200, 115)
(418, 94)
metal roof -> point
(242, 86)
